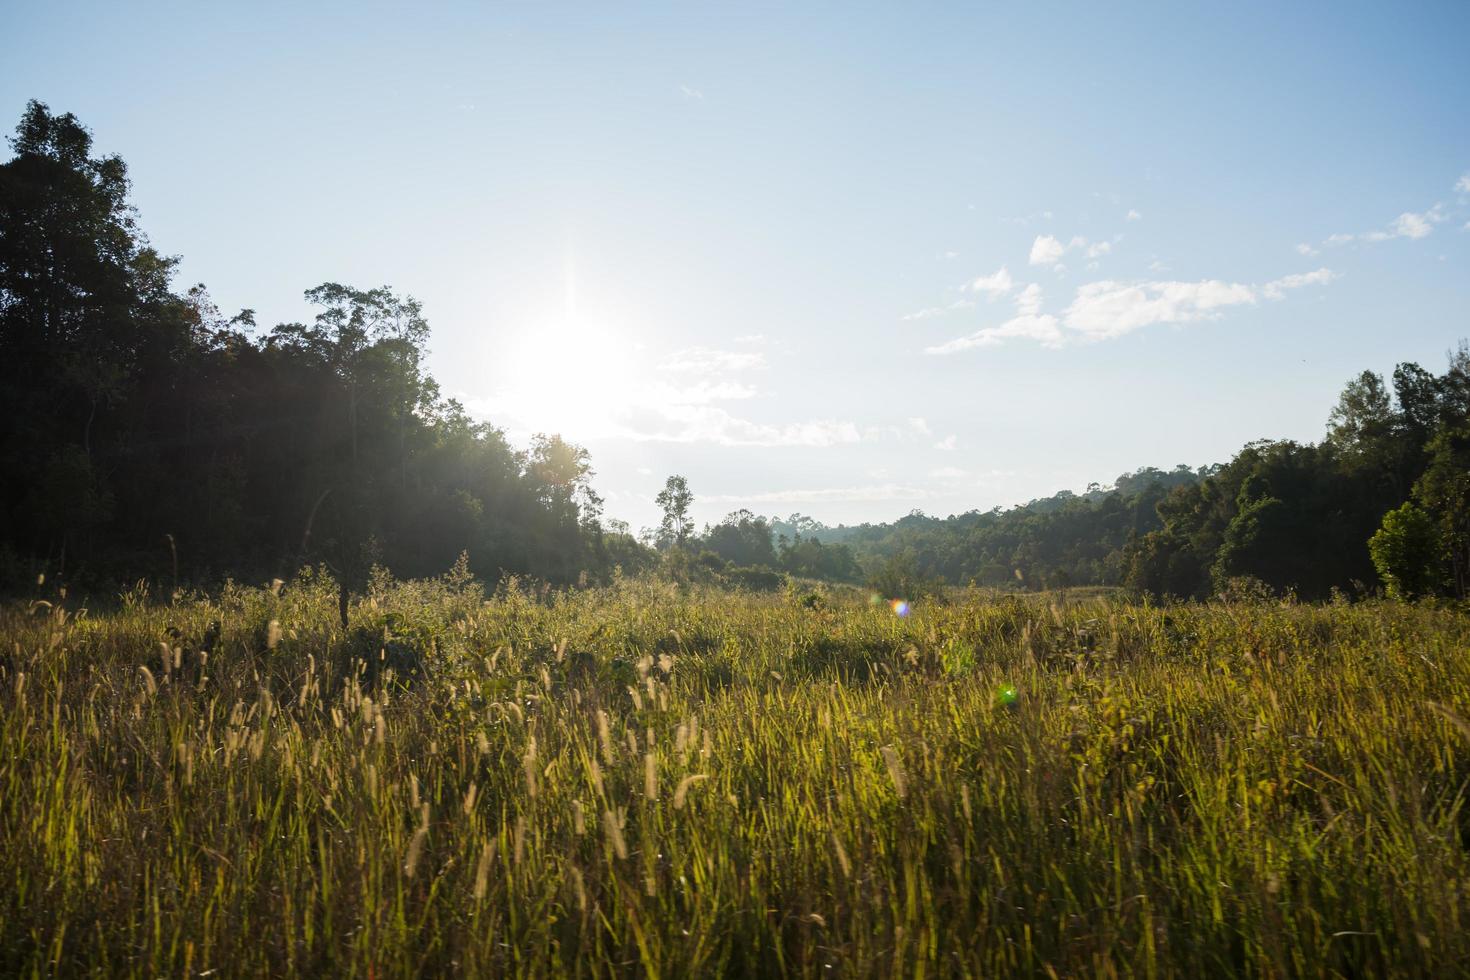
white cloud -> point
(705, 360)
(1028, 300)
(930, 312)
(947, 473)
(709, 423)
(1107, 308)
(691, 93)
(1048, 250)
(1277, 287)
(1045, 330)
(1133, 216)
(1303, 248)
(1463, 184)
(998, 283)
(751, 338)
(921, 426)
(1410, 224)
(683, 399)
(947, 444)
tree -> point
(1444, 492)
(1405, 551)
(674, 500)
(131, 416)
(1418, 395)
(1365, 431)
(742, 538)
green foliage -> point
(900, 577)
(1060, 541)
(1406, 552)
(1299, 518)
(742, 538)
(674, 500)
(1444, 492)
(638, 779)
(139, 427)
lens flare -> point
(900, 607)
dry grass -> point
(638, 781)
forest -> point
(144, 433)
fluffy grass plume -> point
(472, 786)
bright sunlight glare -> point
(573, 374)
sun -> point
(575, 375)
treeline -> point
(1383, 500)
(1054, 542)
(143, 433)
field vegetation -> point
(647, 779)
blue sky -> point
(848, 260)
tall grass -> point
(641, 781)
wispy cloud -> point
(1045, 330)
(685, 397)
(1028, 301)
(948, 443)
(710, 423)
(1411, 224)
(1462, 185)
(1133, 215)
(1303, 248)
(691, 93)
(1049, 250)
(1029, 324)
(707, 360)
(1109, 308)
(1276, 288)
(998, 283)
(929, 312)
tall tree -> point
(674, 500)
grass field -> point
(641, 781)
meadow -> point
(648, 780)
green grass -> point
(640, 781)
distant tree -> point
(674, 500)
(810, 558)
(1365, 431)
(1405, 552)
(742, 538)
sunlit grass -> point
(636, 780)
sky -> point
(848, 260)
